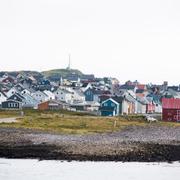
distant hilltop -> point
(61, 72)
(50, 74)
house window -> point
(112, 105)
(105, 104)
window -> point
(105, 104)
(112, 105)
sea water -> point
(24, 169)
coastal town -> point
(73, 91)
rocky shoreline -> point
(142, 144)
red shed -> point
(171, 109)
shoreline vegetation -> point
(70, 136)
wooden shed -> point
(50, 105)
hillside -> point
(61, 72)
(15, 73)
(53, 74)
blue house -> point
(111, 106)
(89, 95)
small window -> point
(105, 104)
(112, 105)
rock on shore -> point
(152, 143)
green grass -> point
(65, 122)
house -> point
(92, 94)
(64, 95)
(89, 94)
(44, 84)
(110, 107)
(29, 102)
(8, 79)
(12, 91)
(150, 105)
(157, 102)
(50, 95)
(40, 96)
(171, 109)
(128, 87)
(3, 97)
(141, 105)
(11, 105)
(52, 105)
(17, 97)
(78, 96)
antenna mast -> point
(69, 65)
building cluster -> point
(100, 96)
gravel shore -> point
(152, 143)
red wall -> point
(43, 106)
(171, 115)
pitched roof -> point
(115, 98)
(170, 103)
(129, 87)
(139, 91)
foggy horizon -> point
(128, 40)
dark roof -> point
(175, 88)
(128, 87)
(3, 93)
(115, 98)
(139, 90)
(85, 85)
(88, 77)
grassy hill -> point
(61, 72)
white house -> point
(40, 96)
(64, 95)
(51, 96)
(12, 91)
(78, 96)
(3, 97)
(30, 102)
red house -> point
(171, 109)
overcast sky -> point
(127, 39)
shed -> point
(50, 105)
(171, 109)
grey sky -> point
(127, 39)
